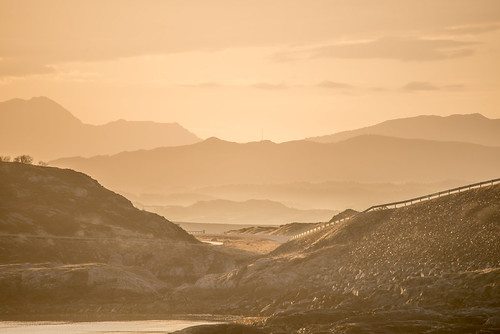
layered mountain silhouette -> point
(307, 195)
(44, 129)
(472, 128)
(364, 159)
(252, 212)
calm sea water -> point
(108, 327)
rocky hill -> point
(46, 201)
(49, 131)
(67, 245)
(432, 266)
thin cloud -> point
(473, 29)
(416, 86)
(20, 68)
(108, 30)
(422, 86)
(342, 88)
(76, 76)
(403, 49)
(258, 85)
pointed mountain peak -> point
(37, 109)
(213, 140)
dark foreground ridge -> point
(43, 201)
(68, 245)
(433, 266)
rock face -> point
(66, 243)
(431, 265)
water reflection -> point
(122, 327)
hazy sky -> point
(229, 68)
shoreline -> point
(100, 317)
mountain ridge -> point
(468, 128)
(368, 158)
(43, 128)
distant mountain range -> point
(252, 212)
(215, 162)
(164, 164)
(307, 195)
(44, 129)
(472, 128)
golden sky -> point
(230, 68)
